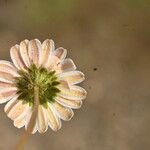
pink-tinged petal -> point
(35, 128)
(29, 122)
(60, 53)
(7, 93)
(11, 104)
(66, 65)
(63, 84)
(52, 63)
(64, 113)
(74, 93)
(53, 120)
(6, 66)
(16, 57)
(42, 120)
(4, 85)
(17, 110)
(72, 77)
(25, 53)
(57, 56)
(34, 50)
(75, 104)
(19, 122)
(6, 77)
(8, 63)
(46, 52)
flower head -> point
(40, 84)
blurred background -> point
(110, 42)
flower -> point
(40, 86)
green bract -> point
(41, 77)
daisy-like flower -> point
(40, 86)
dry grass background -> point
(111, 36)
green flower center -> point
(41, 77)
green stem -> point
(25, 136)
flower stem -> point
(25, 136)
(32, 121)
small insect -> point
(40, 86)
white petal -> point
(75, 104)
(4, 84)
(66, 65)
(7, 93)
(11, 104)
(17, 110)
(34, 50)
(46, 52)
(53, 120)
(72, 77)
(6, 66)
(42, 120)
(35, 128)
(57, 56)
(52, 63)
(74, 93)
(8, 63)
(6, 77)
(24, 52)
(63, 84)
(63, 112)
(16, 57)
(60, 53)
(20, 121)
